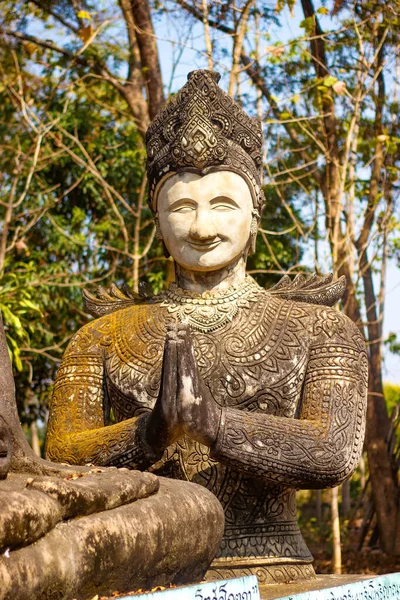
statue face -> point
(205, 220)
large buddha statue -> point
(252, 393)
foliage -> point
(392, 396)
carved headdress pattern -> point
(201, 129)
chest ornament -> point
(209, 311)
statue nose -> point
(203, 226)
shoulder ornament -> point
(112, 299)
(313, 289)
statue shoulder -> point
(316, 295)
(107, 301)
(311, 289)
(89, 338)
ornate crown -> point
(201, 129)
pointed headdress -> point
(200, 130)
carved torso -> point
(256, 363)
(275, 359)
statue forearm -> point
(121, 445)
(300, 454)
(76, 431)
(322, 448)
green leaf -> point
(29, 304)
(11, 319)
(308, 24)
(322, 10)
(329, 81)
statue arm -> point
(322, 447)
(76, 432)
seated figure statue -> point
(252, 393)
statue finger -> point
(169, 366)
(187, 366)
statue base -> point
(267, 573)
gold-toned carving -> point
(209, 311)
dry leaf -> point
(339, 87)
(275, 50)
(85, 33)
(83, 14)
(30, 48)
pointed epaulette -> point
(313, 289)
(112, 299)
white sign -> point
(241, 588)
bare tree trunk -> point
(148, 50)
(362, 472)
(318, 506)
(136, 238)
(238, 39)
(346, 498)
(207, 36)
(337, 553)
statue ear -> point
(159, 235)
(253, 231)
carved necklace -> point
(210, 311)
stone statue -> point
(252, 393)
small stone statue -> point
(252, 393)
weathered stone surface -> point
(31, 507)
(170, 536)
(25, 517)
(53, 546)
(96, 491)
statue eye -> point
(222, 203)
(183, 209)
(223, 207)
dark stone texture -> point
(5, 449)
(285, 378)
(251, 393)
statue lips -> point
(205, 246)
